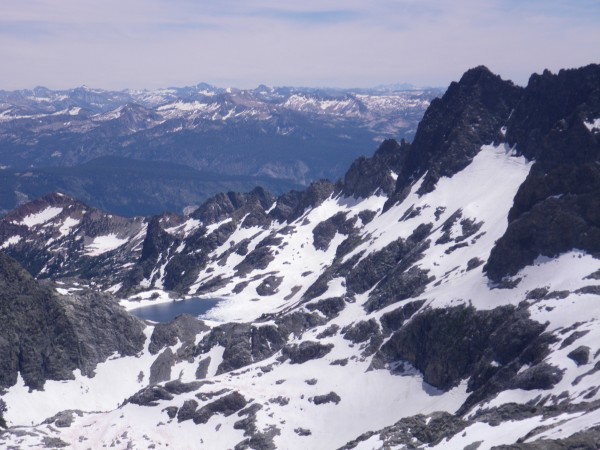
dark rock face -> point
(47, 336)
(398, 285)
(375, 266)
(236, 205)
(454, 128)
(365, 331)
(423, 431)
(246, 344)
(468, 226)
(292, 205)
(187, 410)
(260, 440)
(286, 205)
(366, 216)
(248, 422)
(325, 231)
(183, 268)
(412, 431)
(2, 409)
(448, 345)
(556, 208)
(202, 369)
(561, 221)
(582, 440)
(328, 332)
(171, 411)
(313, 196)
(389, 264)
(257, 259)
(553, 98)
(366, 176)
(160, 370)
(179, 387)
(156, 244)
(183, 328)
(53, 442)
(540, 376)
(393, 320)
(302, 431)
(330, 307)
(361, 331)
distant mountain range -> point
(293, 135)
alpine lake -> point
(165, 312)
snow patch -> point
(41, 217)
(11, 241)
(103, 244)
(67, 225)
(593, 124)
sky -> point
(117, 44)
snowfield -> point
(103, 244)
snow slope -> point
(365, 399)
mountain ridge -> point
(384, 312)
(279, 137)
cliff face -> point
(557, 208)
(46, 336)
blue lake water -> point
(165, 312)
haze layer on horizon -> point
(117, 44)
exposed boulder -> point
(581, 355)
(63, 419)
(305, 351)
(332, 397)
(226, 405)
(150, 396)
(269, 286)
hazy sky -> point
(115, 44)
